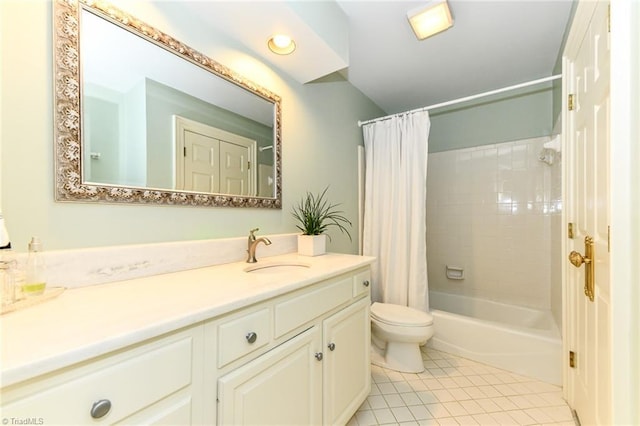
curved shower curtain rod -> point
(467, 98)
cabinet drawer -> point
(361, 282)
(132, 384)
(302, 308)
(235, 338)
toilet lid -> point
(400, 315)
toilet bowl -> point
(397, 332)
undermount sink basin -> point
(276, 267)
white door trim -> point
(625, 211)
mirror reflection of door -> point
(234, 168)
(213, 160)
(200, 158)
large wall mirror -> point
(142, 118)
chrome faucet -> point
(252, 243)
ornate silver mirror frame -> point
(68, 119)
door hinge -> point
(609, 18)
(184, 151)
(572, 359)
(570, 230)
(248, 165)
(570, 102)
(609, 238)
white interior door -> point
(235, 166)
(213, 160)
(587, 211)
(201, 159)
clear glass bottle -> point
(9, 276)
(7, 282)
(34, 279)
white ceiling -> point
(491, 45)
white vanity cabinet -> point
(316, 369)
(158, 382)
(298, 355)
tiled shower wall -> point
(494, 210)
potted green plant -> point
(314, 215)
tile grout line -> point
(454, 390)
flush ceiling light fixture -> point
(431, 19)
(281, 44)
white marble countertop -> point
(87, 322)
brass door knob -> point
(577, 259)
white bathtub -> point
(522, 340)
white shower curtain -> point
(394, 213)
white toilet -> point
(397, 332)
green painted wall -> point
(557, 69)
(510, 116)
(102, 127)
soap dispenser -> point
(34, 280)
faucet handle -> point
(251, 231)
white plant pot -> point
(312, 245)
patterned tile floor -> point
(457, 391)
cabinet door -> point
(347, 372)
(281, 387)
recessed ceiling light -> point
(431, 19)
(281, 44)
